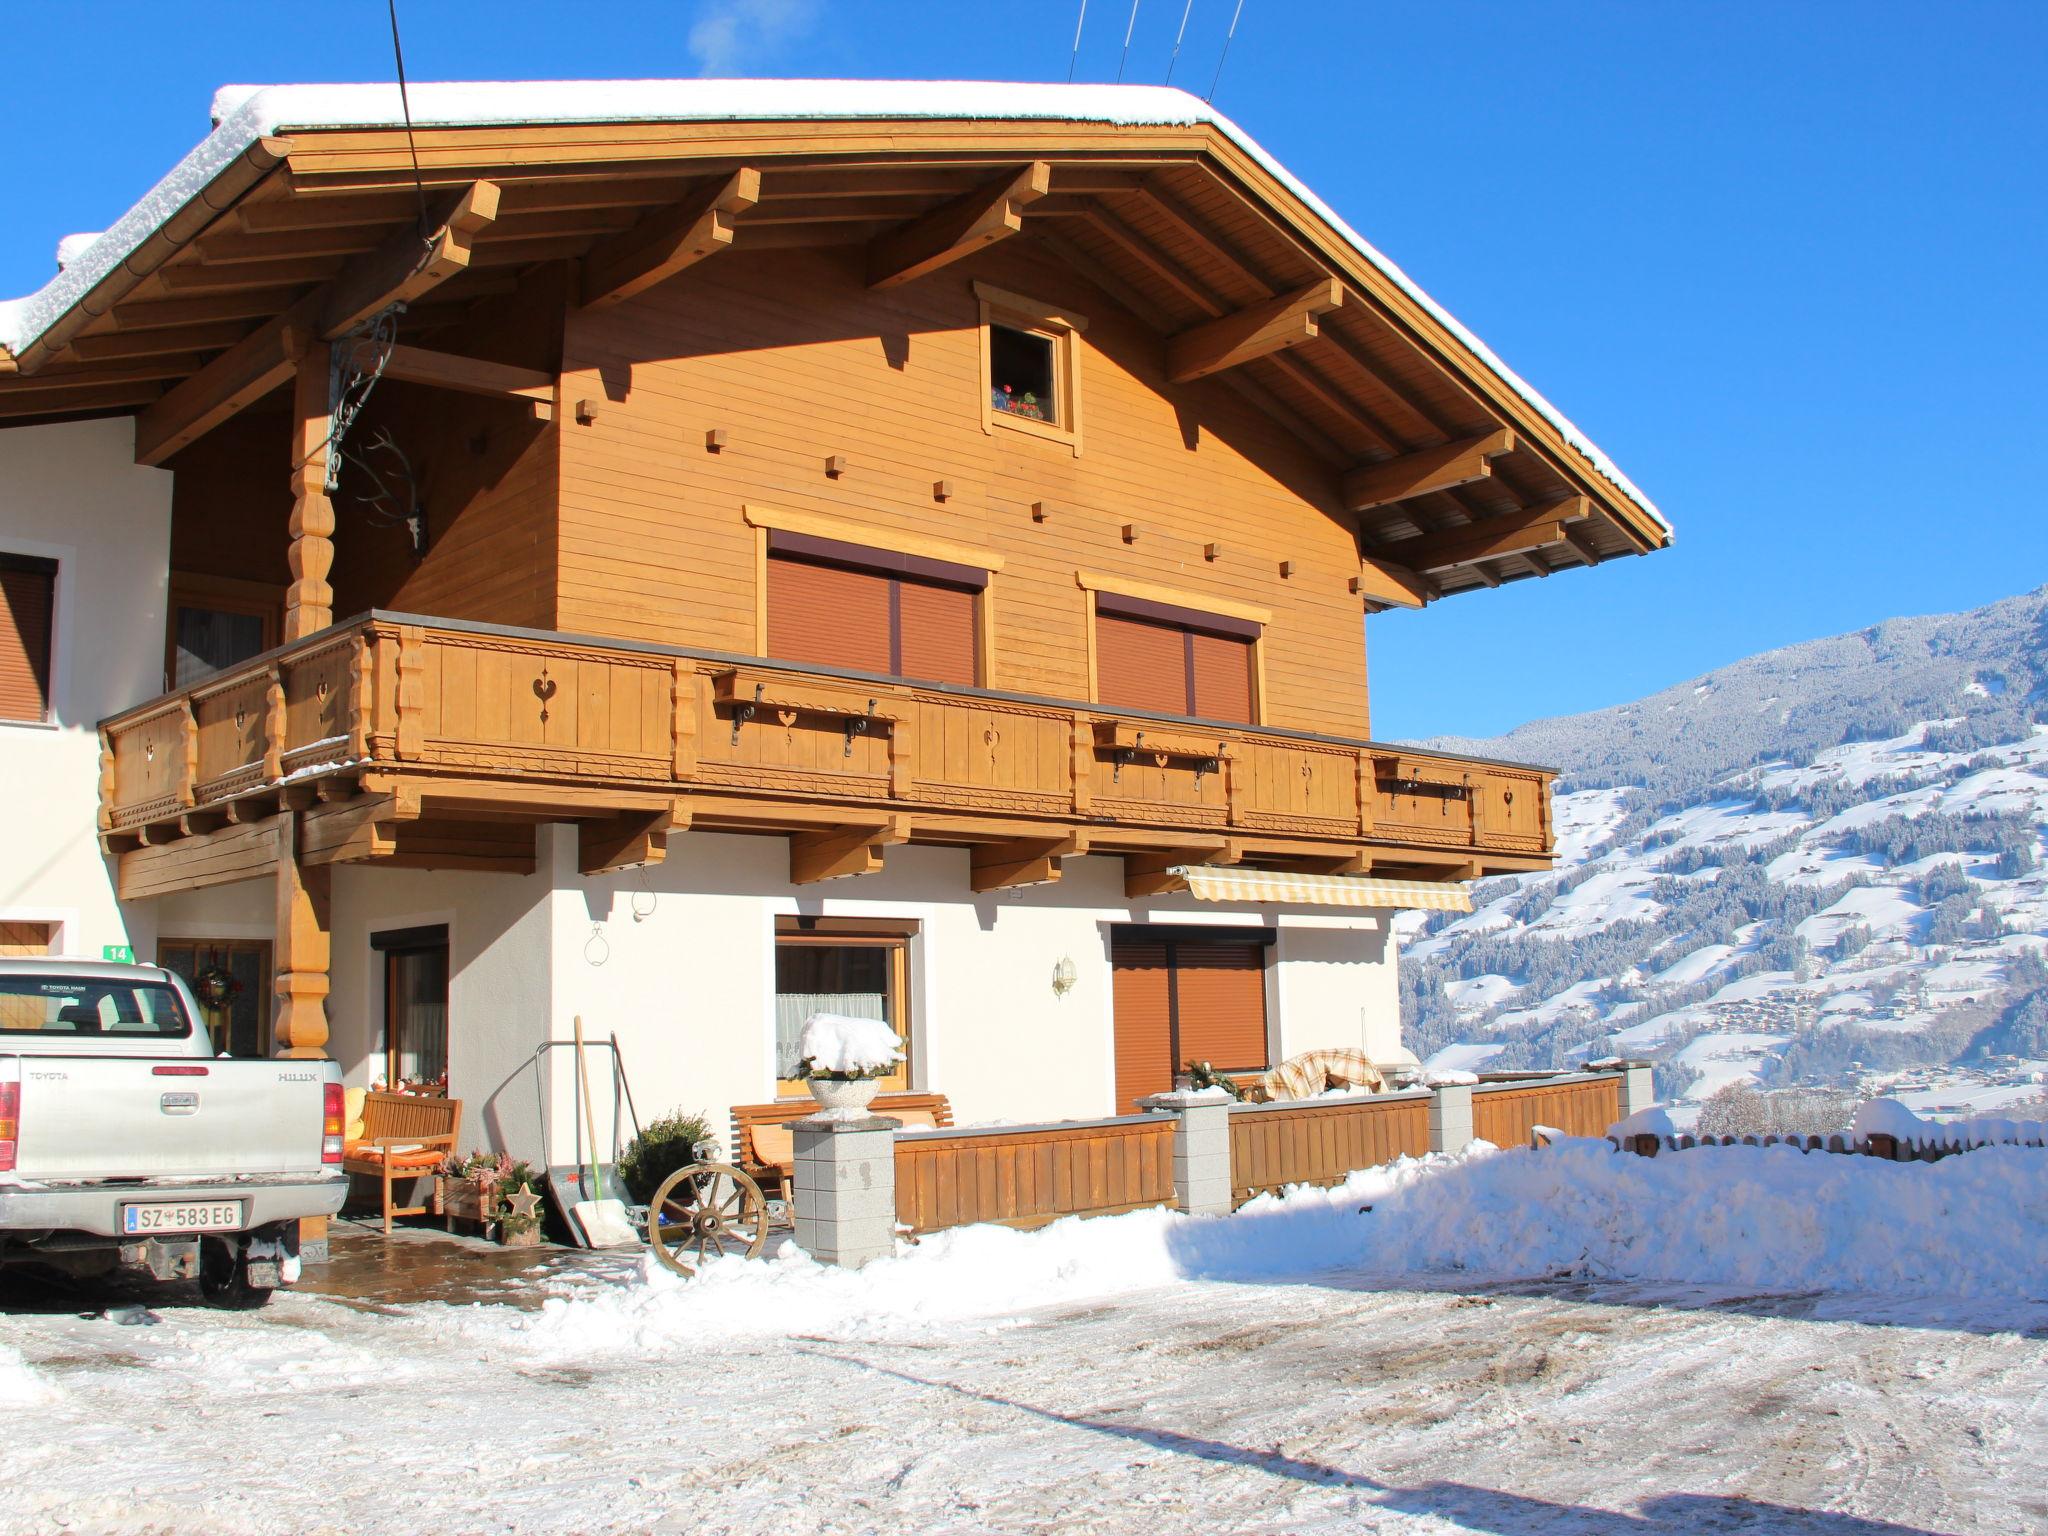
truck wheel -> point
(224, 1277)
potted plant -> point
(665, 1145)
(497, 1190)
(843, 1060)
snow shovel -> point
(599, 1222)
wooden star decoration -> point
(524, 1204)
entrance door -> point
(1183, 995)
(415, 1006)
(241, 1026)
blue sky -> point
(1784, 261)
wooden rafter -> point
(667, 241)
(1254, 331)
(405, 267)
(156, 314)
(51, 402)
(182, 338)
(1512, 534)
(1429, 469)
(969, 223)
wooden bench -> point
(763, 1147)
(404, 1136)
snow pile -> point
(1887, 1117)
(1750, 1217)
(1655, 1121)
(20, 1386)
(839, 1045)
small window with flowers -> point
(1030, 366)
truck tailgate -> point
(86, 1117)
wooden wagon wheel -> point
(703, 1211)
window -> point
(242, 1028)
(1182, 995)
(56, 1004)
(28, 608)
(1022, 372)
(216, 623)
(841, 605)
(839, 965)
(1176, 661)
(415, 1006)
(1030, 369)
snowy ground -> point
(1303, 1366)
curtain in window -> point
(209, 641)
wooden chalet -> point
(838, 517)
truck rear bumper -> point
(95, 1209)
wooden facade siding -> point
(1322, 1141)
(797, 360)
(1505, 1113)
(1031, 1175)
(386, 695)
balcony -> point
(433, 743)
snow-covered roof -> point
(245, 113)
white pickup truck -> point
(124, 1142)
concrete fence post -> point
(1201, 1151)
(1450, 1117)
(1637, 1090)
(845, 1196)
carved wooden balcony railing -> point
(395, 734)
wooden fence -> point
(1505, 1113)
(1321, 1141)
(1026, 1176)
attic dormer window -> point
(1021, 374)
(1030, 366)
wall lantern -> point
(1064, 975)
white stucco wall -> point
(678, 961)
(73, 493)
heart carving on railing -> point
(787, 717)
(544, 689)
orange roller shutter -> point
(1222, 671)
(1142, 1005)
(1140, 666)
(937, 632)
(28, 590)
(828, 615)
(1221, 992)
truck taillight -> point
(331, 1123)
(10, 1124)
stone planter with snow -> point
(844, 1060)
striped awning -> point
(1216, 882)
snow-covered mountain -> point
(1820, 866)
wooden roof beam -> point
(1390, 586)
(238, 378)
(626, 842)
(401, 269)
(668, 240)
(405, 267)
(969, 223)
(468, 375)
(1025, 861)
(1430, 469)
(67, 401)
(838, 852)
(1512, 534)
(1258, 330)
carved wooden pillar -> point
(302, 946)
(309, 601)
